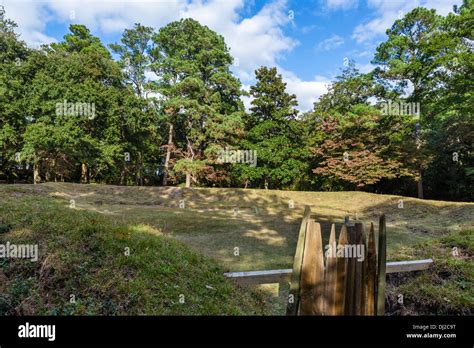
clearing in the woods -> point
(241, 229)
(246, 229)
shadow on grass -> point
(259, 223)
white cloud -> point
(341, 4)
(246, 100)
(365, 68)
(109, 16)
(31, 19)
(254, 40)
(388, 11)
(330, 43)
(307, 92)
(308, 28)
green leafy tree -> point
(78, 71)
(273, 131)
(349, 88)
(451, 137)
(139, 127)
(14, 79)
(412, 55)
(134, 55)
(355, 151)
(200, 95)
(432, 54)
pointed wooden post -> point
(319, 302)
(350, 273)
(331, 274)
(312, 272)
(363, 290)
(382, 261)
(358, 284)
(293, 297)
(365, 268)
(341, 268)
(371, 272)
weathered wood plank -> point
(284, 275)
(261, 277)
(308, 271)
(331, 274)
(350, 274)
(358, 284)
(371, 271)
(341, 267)
(319, 302)
(363, 287)
(312, 272)
(293, 296)
(408, 266)
(382, 260)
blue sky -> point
(307, 40)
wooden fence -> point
(349, 281)
(347, 277)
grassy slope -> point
(82, 254)
(446, 288)
(266, 239)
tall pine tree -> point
(274, 132)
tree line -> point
(160, 107)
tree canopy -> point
(162, 107)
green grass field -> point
(90, 264)
(213, 223)
(264, 228)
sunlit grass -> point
(110, 268)
(240, 229)
(258, 222)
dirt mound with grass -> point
(90, 264)
(446, 288)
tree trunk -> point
(36, 174)
(168, 154)
(122, 176)
(420, 185)
(10, 177)
(141, 170)
(84, 175)
(55, 170)
(138, 170)
(188, 180)
(416, 86)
